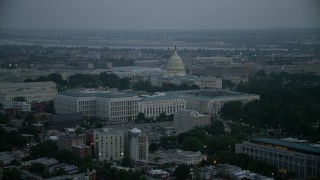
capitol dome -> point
(175, 65)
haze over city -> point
(159, 15)
(160, 89)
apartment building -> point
(109, 144)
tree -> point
(79, 131)
(140, 117)
(109, 80)
(182, 172)
(42, 149)
(192, 144)
(228, 84)
(29, 117)
(4, 119)
(142, 86)
(17, 140)
(126, 161)
(50, 107)
(12, 174)
(37, 168)
(169, 87)
(124, 83)
(232, 110)
(168, 142)
(153, 147)
(57, 78)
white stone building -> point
(138, 145)
(178, 156)
(21, 105)
(302, 160)
(185, 120)
(109, 144)
(117, 107)
(154, 105)
(211, 100)
(31, 91)
(6, 157)
(203, 82)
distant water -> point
(11, 42)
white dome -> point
(175, 65)
(135, 130)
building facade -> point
(211, 100)
(109, 144)
(116, 107)
(185, 120)
(153, 106)
(20, 105)
(67, 141)
(300, 160)
(179, 157)
(29, 91)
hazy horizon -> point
(159, 15)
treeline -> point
(148, 87)
(11, 140)
(105, 80)
(287, 101)
(208, 140)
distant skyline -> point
(159, 14)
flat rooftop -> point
(158, 97)
(97, 93)
(303, 148)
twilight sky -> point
(158, 14)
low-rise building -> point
(44, 160)
(177, 156)
(22, 106)
(6, 157)
(185, 120)
(68, 141)
(157, 174)
(82, 151)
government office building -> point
(153, 106)
(31, 91)
(210, 101)
(122, 107)
(301, 160)
(116, 107)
